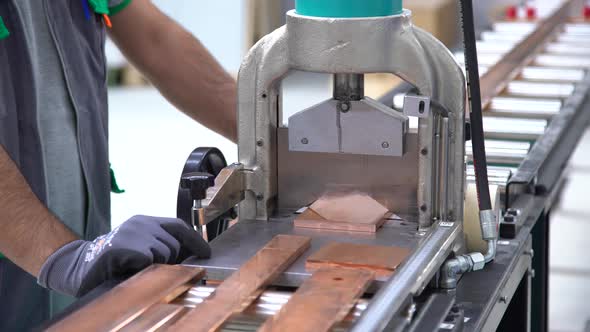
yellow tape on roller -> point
(471, 225)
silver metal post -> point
(349, 87)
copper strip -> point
(118, 307)
(242, 288)
(321, 302)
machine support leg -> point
(540, 283)
(517, 316)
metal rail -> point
(497, 78)
(408, 280)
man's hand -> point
(80, 266)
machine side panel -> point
(303, 176)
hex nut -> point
(479, 261)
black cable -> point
(477, 136)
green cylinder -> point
(348, 8)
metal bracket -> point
(418, 106)
(330, 128)
(227, 192)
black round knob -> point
(197, 183)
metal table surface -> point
(244, 239)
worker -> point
(54, 168)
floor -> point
(569, 289)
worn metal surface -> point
(330, 128)
(303, 177)
(238, 244)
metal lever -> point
(197, 183)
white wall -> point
(219, 25)
(149, 143)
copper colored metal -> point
(321, 302)
(120, 306)
(383, 260)
(156, 318)
(242, 288)
(351, 212)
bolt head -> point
(385, 145)
(478, 260)
(512, 212)
(304, 141)
(344, 106)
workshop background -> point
(150, 140)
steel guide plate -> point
(243, 240)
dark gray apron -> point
(80, 43)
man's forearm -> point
(178, 65)
(29, 233)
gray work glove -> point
(80, 266)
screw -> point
(451, 216)
(423, 208)
(260, 142)
(503, 299)
(304, 140)
(424, 151)
(264, 95)
(512, 212)
(259, 197)
(385, 145)
(411, 311)
(344, 106)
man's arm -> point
(29, 233)
(178, 65)
(34, 239)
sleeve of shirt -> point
(115, 6)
